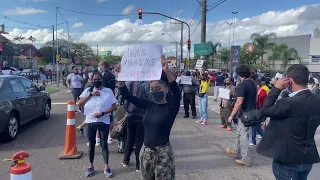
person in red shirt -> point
(261, 97)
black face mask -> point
(97, 84)
(157, 95)
(228, 84)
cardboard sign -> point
(186, 80)
(141, 63)
(199, 64)
(224, 93)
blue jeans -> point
(283, 171)
(203, 107)
(254, 130)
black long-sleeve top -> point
(158, 118)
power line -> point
(93, 14)
(216, 4)
(30, 28)
(61, 15)
(24, 22)
(195, 16)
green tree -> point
(262, 43)
(214, 51)
(224, 55)
(285, 54)
(111, 59)
(47, 53)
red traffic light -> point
(189, 42)
(140, 13)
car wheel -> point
(12, 128)
(47, 111)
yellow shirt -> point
(204, 86)
(265, 87)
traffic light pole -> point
(182, 22)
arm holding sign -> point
(141, 103)
(173, 84)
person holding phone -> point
(98, 103)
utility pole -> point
(97, 50)
(57, 42)
(53, 44)
(230, 24)
(204, 21)
(181, 47)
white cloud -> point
(128, 10)
(77, 25)
(23, 11)
(101, 1)
(116, 36)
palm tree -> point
(32, 39)
(19, 39)
(214, 50)
(224, 55)
(262, 43)
(285, 54)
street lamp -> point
(234, 22)
(230, 34)
(176, 43)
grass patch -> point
(51, 90)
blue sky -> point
(43, 12)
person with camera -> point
(246, 93)
(98, 103)
(289, 137)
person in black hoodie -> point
(289, 137)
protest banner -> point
(141, 63)
(186, 80)
(199, 64)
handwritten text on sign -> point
(141, 63)
(186, 80)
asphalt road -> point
(199, 151)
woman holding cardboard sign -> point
(156, 155)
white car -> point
(15, 71)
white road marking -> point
(60, 103)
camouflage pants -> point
(157, 163)
(241, 145)
(225, 114)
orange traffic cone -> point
(70, 148)
(20, 170)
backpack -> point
(136, 88)
(109, 81)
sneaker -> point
(251, 144)
(199, 121)
(108, 173)
(229, 129)
(204, 123)
(223, 126)
(90, 172)
(125, 163)
(194, 117)
(110, 141)
(185, 116)
(80, 129)
(138, 170)
(260, 137)
(240, 162)
(97, 144)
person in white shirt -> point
(98, 103)
(74, 83)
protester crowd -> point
(282, 112)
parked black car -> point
(20, 102)
(31, 74)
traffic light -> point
(140, 13)
(189, 45)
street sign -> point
(202, 49)
(105, 53)
(188, 62)
(199, 64)
(235, 57)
